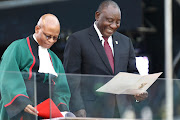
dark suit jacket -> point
(84, 54)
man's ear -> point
(97, 14)
(37, 28)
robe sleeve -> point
(61, 92)
(12, 85)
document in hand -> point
(129, 83)
(45, 110)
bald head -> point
(48, 20)
(47, 30)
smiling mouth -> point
(110, 31)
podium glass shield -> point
(18, 92)
(20, 89)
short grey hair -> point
(106, 3)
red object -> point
(44, 109)
(109, 54)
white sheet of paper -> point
(65, 114)
(129, 83)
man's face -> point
(108, 20)
(47, 35)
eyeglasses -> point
(48, 37)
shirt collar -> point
(35, 38)
(98, 32)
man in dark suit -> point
(99, 50)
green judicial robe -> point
(16, 87)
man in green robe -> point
(30, 58)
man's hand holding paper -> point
(141, 96)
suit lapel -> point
(116, 51)
(99, 48)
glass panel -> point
(154, 106)
(176, 100)
(17, 91)
(59, 95)
(97, 104)
(104, 105)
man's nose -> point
(51, 40)
(114, 25)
